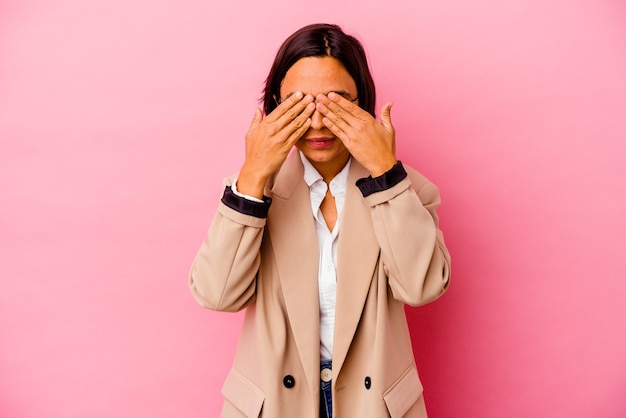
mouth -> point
(320, 142)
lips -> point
(320, 142)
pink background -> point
(119, 119)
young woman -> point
(323, 237)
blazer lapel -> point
(357, 255)
(294, 240)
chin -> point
(320, 156)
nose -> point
(316, 120)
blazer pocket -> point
(244, 395)
(403, 393)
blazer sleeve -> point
(223, 273)
(413, 252)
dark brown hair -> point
(321, 40)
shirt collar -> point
(337, 185)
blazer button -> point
(368, 382)
(289, 381)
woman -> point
(323, 245)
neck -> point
(330, 169)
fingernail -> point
(309, 98)
(310, 106)
(332, 95)
(298, 94)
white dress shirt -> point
(327, 240)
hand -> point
(372, 143)
(270, 139)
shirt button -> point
(289, 381)
(368, 382)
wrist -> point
(251, 183)
(382, 167)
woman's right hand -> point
(270, 139)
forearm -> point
(223, 274)
(413, 251)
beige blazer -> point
(390, 253)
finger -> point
(337, 101)
(298, 132)
(344, 109)
(290, 108)
(334, 118)
(327, 106)
(337, 130)
(297, 109)
(257, 118)
(385, 116)
(284, 106)
(297, 123)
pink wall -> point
(118, 120)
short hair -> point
(321, 40)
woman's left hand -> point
(372, 143)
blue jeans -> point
(326, 401)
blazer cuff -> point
(246, 206)
(387, 180)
